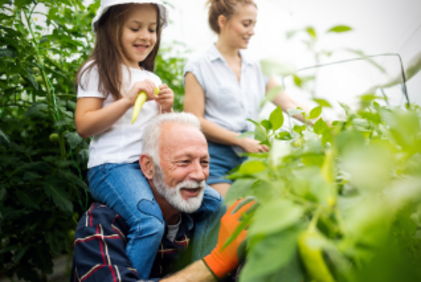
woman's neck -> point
(227, 51)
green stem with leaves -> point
(50, 97)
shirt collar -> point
(214, 54)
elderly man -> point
(175, 162)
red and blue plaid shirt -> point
(100, 249)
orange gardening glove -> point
(222, 261)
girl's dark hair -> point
(227, 8)
(108, 55)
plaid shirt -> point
(100, 249)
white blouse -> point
(228, 102)
(122, 143)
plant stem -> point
(50, 98)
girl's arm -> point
(91, 119)
(194, 102)
(284, 100)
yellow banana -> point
(140, 100)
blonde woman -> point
(224, 88)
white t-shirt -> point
(122, 143)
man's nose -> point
(197, 172)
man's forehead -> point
(183, 138)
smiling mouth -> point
(141, 48)
(191, 192)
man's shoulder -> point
(101, 214)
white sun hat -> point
(105, 4)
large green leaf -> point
(271, 254)
(275, 216)
(315, 112)
(74, 139)
(53, 189)
(72, 178)
(26, 199)
(276, 118)
(320, 126)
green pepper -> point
(312, 256)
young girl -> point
(121, 65)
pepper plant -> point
(338, 202)
(43, 190)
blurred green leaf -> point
(315, 112)
(276, 118)
(275, 216)
(266, 124)
(322, 102)
(310, 30)
(340, 28)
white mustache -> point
(191, 184)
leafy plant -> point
(337, 203)
(42, 158)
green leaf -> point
(30, 176)
(252, 167)
(320, 126)
(3, 193)
(73, 179)
(26, 199)
(238, 190)
(19, 254)
(310, 30)
(275, 216)
(322, 102)
(84, 154)
(245, 134)
(7, 53)
(36, 107)
(340, 28)
(276, 118)
(268, 256)
(20, 3)
(271, 95)
(293, 112)
(298, 81)
(315, 112)
(31, 78)
(73, 138)
(53, 189)
(4, 140)
(259, 132)
(246, 220)
(266, 124)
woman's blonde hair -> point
(227, 8)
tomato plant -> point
(337, 203)
(43, 189)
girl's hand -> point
(165, 98)
(146, 85)
(252, 146)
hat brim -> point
(163, 10)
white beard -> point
(173, 194)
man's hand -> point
(221, 260)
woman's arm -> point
(194, 102)
(284, 100)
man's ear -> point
(147, 166)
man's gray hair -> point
(152, 134)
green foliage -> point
(42, 158)
(355, 187)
